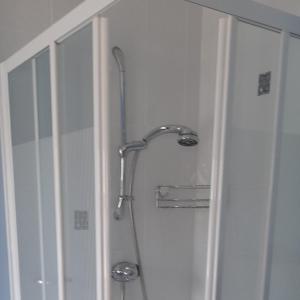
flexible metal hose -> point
(123, 290)
(133, 225)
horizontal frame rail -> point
(57, 32)
(255, 13)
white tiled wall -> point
(170, 53)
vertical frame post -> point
(9, 188)
(105, 157)
(101, 154)
(97, 154)
(57, 169)
(226, 40)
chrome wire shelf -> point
(182, 196)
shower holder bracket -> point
(182, 196)
(126, 198)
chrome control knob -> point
(125, 271)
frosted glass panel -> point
(4, 275)
(46, 174)
(247, 163)
(76, 121)
(30, 108)
(25, 166)
(44, 95)
(21, 104)
(285, 268)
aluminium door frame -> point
(255, 12)
(223, 96)
(90, 12)
(288, 26)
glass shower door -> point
(30, 111)
(39, 235)
(260, 240)
(285, 262)
(251, 114)
(75, 98)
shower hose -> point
(133, 228)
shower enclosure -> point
(103, 198)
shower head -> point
(119, 57)
(186, 136)
(188, 139)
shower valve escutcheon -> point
(125, 271)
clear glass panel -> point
(285, 268)
(25, 176)
(46, 174)
(76, 121)
(4, 274)
(21, 104)
(247, 162)
(30, 108)
(26, 190)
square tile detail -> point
(264, 84)
(81, 220)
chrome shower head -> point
(187, 137)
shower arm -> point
(163, 130)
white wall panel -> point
(164, 61)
